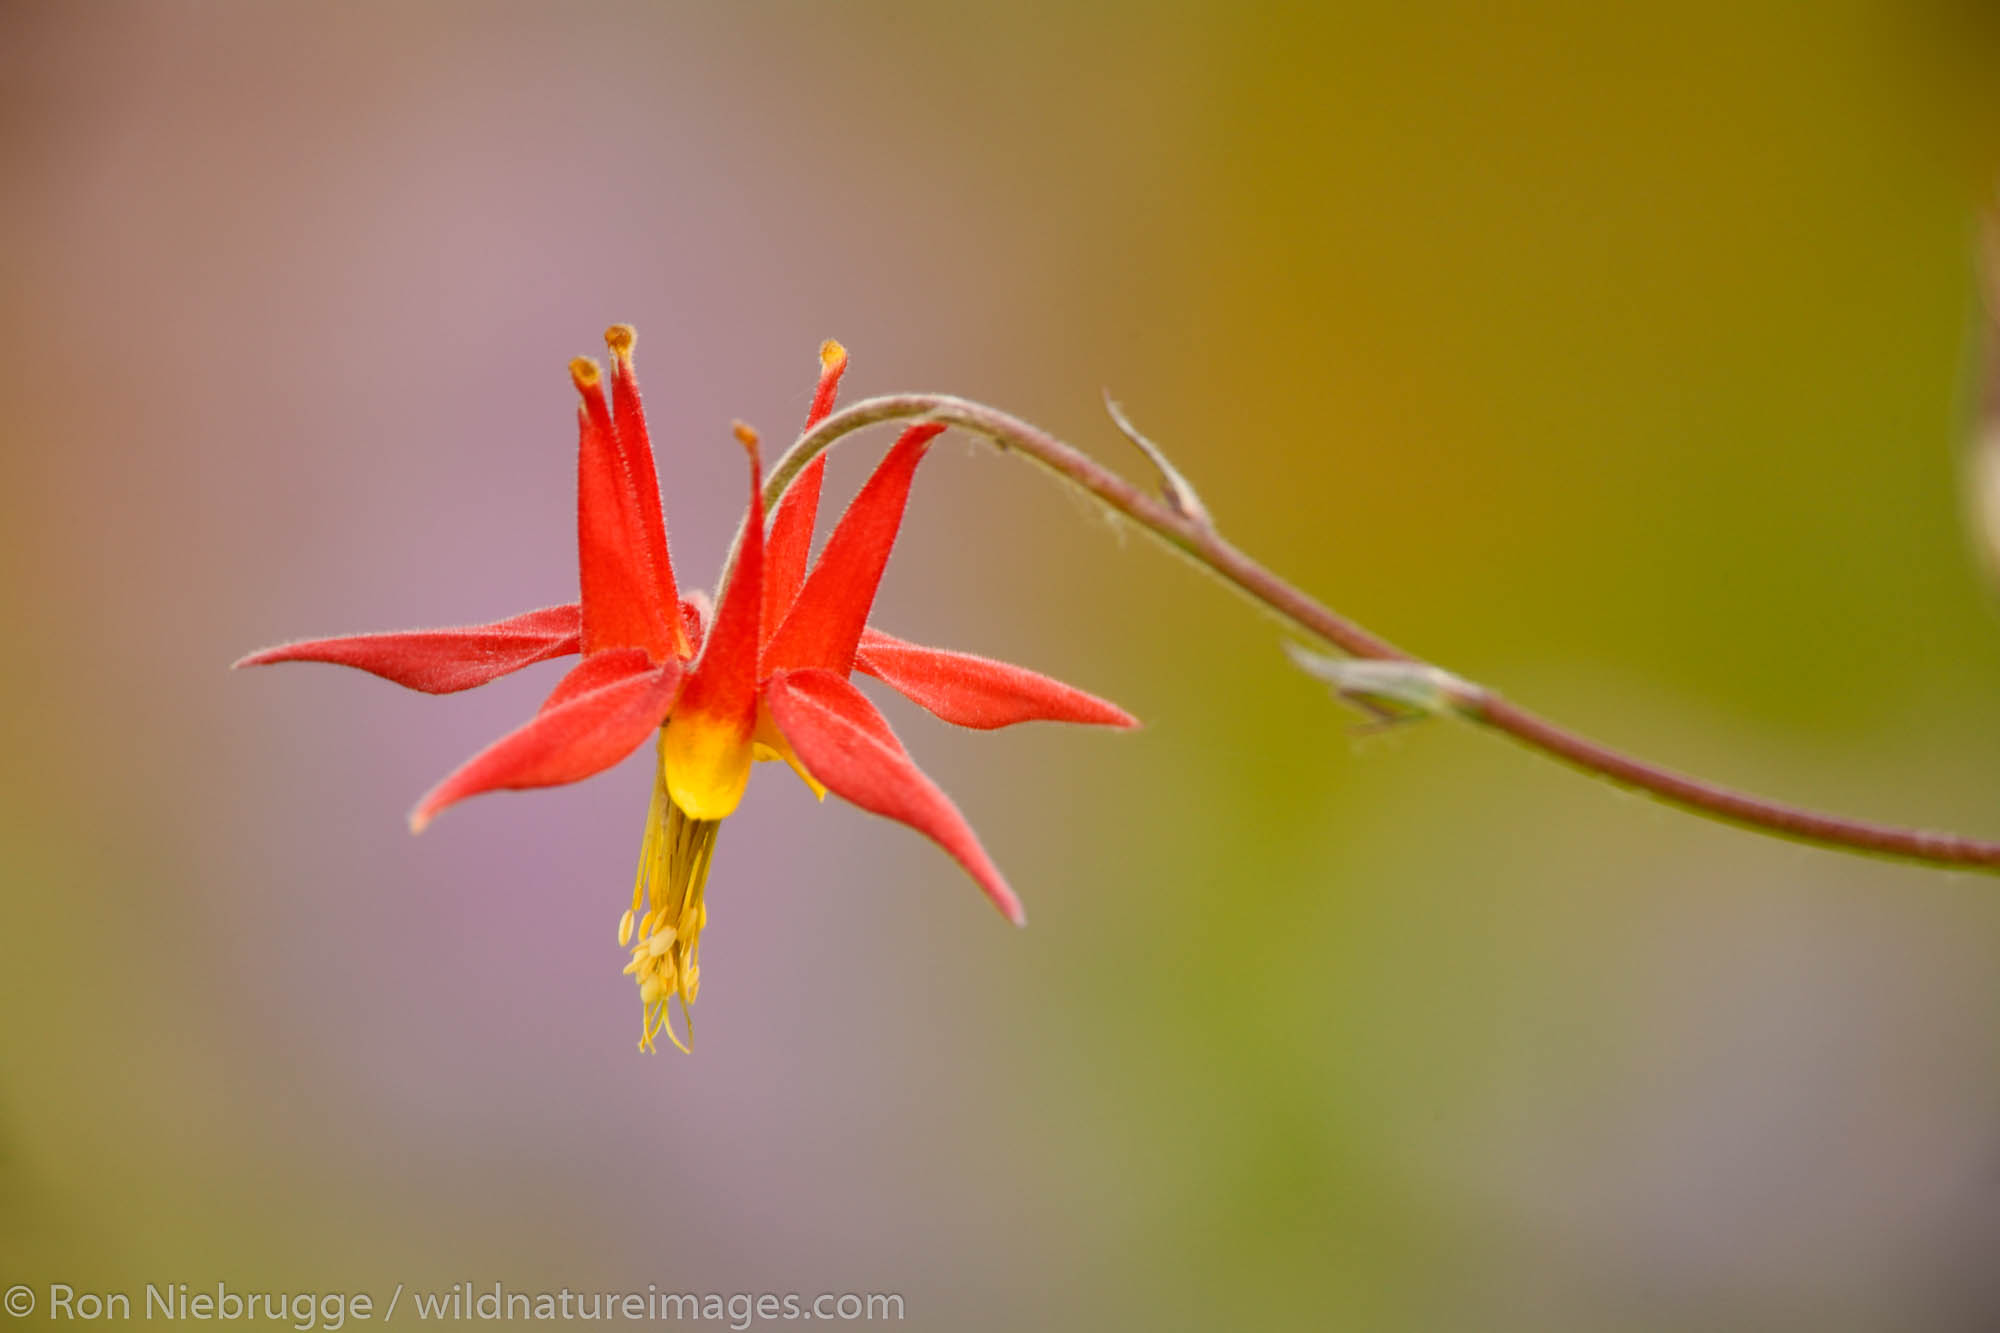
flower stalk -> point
(1187, 529)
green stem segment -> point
(1198, 541)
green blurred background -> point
(1617, 357)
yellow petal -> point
(707, 763)
(770, 743)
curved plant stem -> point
(1184, 527)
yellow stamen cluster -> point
(669, 912)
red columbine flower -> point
(766, 678)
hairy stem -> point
(1186, 531)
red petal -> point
(594, 673)
(723, 683)
(825, 623)
(790, 540)
(635, 448)
(694, 621)
(832, 365)
(790, 543)
(979, 692)
(442, 661)
(587, 732)
(845, 743)
(621, 602)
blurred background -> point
(1620, 358)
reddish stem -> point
(1188, 533)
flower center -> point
(668, 911)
